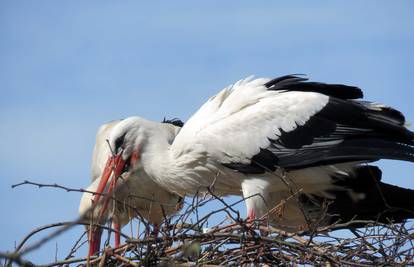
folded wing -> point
(259, 125)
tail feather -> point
(365, 197)
(358, 149)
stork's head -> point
(135, 136)
(126, 142)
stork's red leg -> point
(251, 215)
(117, 228)
(94, 237)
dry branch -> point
(188, 239)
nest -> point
(201, 236)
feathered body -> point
(275, 138)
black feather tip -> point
(176, 122)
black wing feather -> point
(176, 122)
(296, 83)
(344, 130)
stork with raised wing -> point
(269, 139)
(133, 196)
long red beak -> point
(114, 167)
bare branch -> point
(189, 238)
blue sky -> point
(68, 66)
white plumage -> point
(275, 138)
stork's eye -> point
(119, 143)
(126, 166)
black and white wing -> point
(258, 125)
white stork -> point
(269, 139)
(136, 196)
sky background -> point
(67, 67)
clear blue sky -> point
(68, 66)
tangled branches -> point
(209, 230)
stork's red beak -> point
(113, 167)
